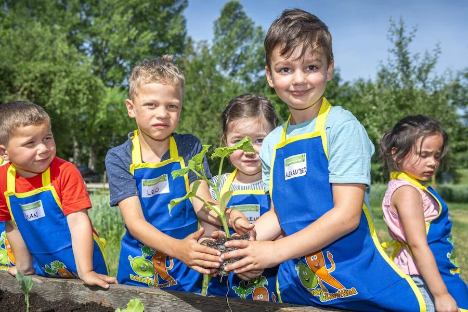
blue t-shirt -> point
(118, 160)
(349, 148)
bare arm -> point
(343, 218)
(267, 227)
(408, 204)
(187, 250)
(23, 257)
(83, 247)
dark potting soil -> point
(11, 302)
(219, 245)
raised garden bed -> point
(72, 295)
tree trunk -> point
(76, 151)
(92, 160)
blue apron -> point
(39, 217)
(140, 265)
(351, 273)
(440, 241)
(253, 204)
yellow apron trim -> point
(278, 290)
(173, 157)
(375, 239)
(318, 131)
(227, 186)
(101, 242)
(405, 176)
(11, 189)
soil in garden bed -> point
(219, 245)
(15, 303)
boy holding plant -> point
(44, 202)
(317, 168)
(161, 249)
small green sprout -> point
(26, 285)
(134, 305)
(196, 165)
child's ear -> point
(269, 77)
(130, 105)
(3, 152)
(330, 69)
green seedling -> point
(134, 305)
(196, 165)
(26, 285)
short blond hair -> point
(161, 70)
(15, 115)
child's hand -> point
(14, 269)
(247, 276)
(255, 256)
(95, 279)
(239, 222)
(445, 303)
(201, 258)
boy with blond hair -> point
(317, 169)
(161, 249)
(44, 202)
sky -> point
(360, 28)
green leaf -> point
(134, 305)
(25, 282)
(180, 172)
(191, 193)
(224, 200)
(245, 144)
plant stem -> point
(206, 281)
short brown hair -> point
(20, 114)
(249, 105)
(158, 70)
(296, 27)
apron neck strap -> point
(136, 148)
(228, 183)
(11, 177)
(319, 123)
(405, 176)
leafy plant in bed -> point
(196, 165)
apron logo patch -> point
(251, 212)
(295, 166)
(155, 186)
(33, 211)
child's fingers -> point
(108, 279)
(239, 243)
(196, 235)
(12, 270)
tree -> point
(406, 85)
(110, 37)
(232, 66)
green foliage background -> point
(74, 57)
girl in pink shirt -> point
(417, 218)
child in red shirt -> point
(44, 202)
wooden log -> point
(117, 296)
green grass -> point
(462, 176)
(109, 224)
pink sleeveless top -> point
(403, 257)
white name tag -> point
(295, 166)
(33, 211)
(155, 186)
(251, 212)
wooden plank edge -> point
(117, 296)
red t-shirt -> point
(64, 177)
